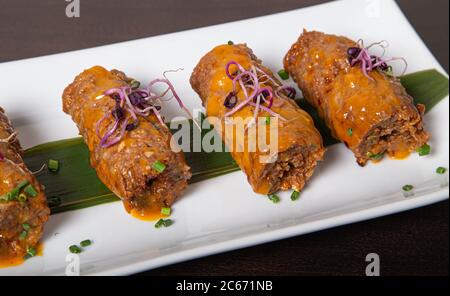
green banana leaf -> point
(77, 186)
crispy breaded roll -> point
(23, 206)
(299, 143)
(370, 112)
(136, 162)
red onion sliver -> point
(371, 62)
(227, 67)
(253, 82)
(117, 139)
(109, 133)
(271, 112)
(97, 125)
(142, 107)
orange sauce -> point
(18, 260)
(11, 261)
(40, 249)
(399, 150)
(400, 154)
(298, 124)
(150, 214)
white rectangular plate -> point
(222, 214)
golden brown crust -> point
(10, 149)
(299, 143)
(125, 168)
(14, 214)
(378, 111)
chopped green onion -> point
(407, 188)
(135, 84)
(31, 191)
(85, 243)
(13, 194)
(23, 235)
(230, 42)
(31, 252)
(22, 184)
(350, 131)
(163, 222)
(423, 150)
(22, 197)
(295, 195)
(159, 223)
(168, 222)
(53, 165)
(267, 120)
(158, 166)
(441, 170)
(74, 249)
(283, 74)
(274, 198)
(165, 211)
(375, 156)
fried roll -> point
(370, 112)
(23, 206)
(299, 143)
(139, 165)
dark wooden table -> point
(410, 243)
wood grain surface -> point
(410, 243)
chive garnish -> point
(23, 235)
(274, 198)
(377, 156)
(267, 120)
(53, 165)
(158, 166)
(85, 243)
(163, 222)
(441, 170)
(423, 150)
(22, 197)
(22, 184)
(168, 222)
(13, 194)
(165, 211)
(30, 190)
(295, 195)
(74, 249)
(350, 131)
(283, 74)
(159, 223)
(31, 252)
(407, 188)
